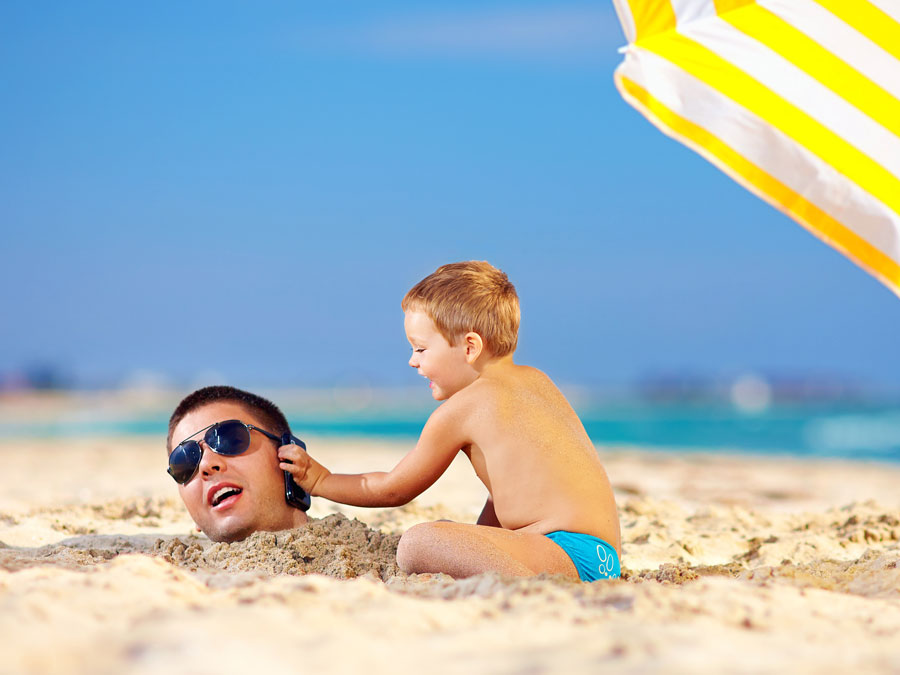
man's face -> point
(258, 500)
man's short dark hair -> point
(269, 415)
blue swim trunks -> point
(594, 558)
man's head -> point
(472, 296)
(251, 482)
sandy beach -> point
(740, 565)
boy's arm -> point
(441, 439)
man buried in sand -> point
(550, 506)
(226, 466)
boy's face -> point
(443, 364)
(259, 503)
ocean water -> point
(869, 431)
(861, 431)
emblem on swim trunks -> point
(606, 561)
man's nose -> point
(210, 462)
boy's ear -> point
(474, 346)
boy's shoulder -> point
(518, 389)
(501, 384)
(517, 376)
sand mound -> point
(335, 546)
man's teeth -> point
(223, 493)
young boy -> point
(550, 506)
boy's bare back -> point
(531, 451)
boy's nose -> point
(412, 361)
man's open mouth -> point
(224, 493)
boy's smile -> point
(444, 365)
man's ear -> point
(474, 346)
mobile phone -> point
(294, 495)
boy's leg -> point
(461, 550)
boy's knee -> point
(416, 547)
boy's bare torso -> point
(532, 453)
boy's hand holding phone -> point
(306, 471)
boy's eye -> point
(419, 350)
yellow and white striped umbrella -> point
(797, 100)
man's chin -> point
(228, 534)
(230, 531)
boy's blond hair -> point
(469, 296)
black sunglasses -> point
(229, 438)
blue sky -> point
(248, 190)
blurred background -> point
(223, 192)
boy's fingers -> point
(293, 469)
(287, 452)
